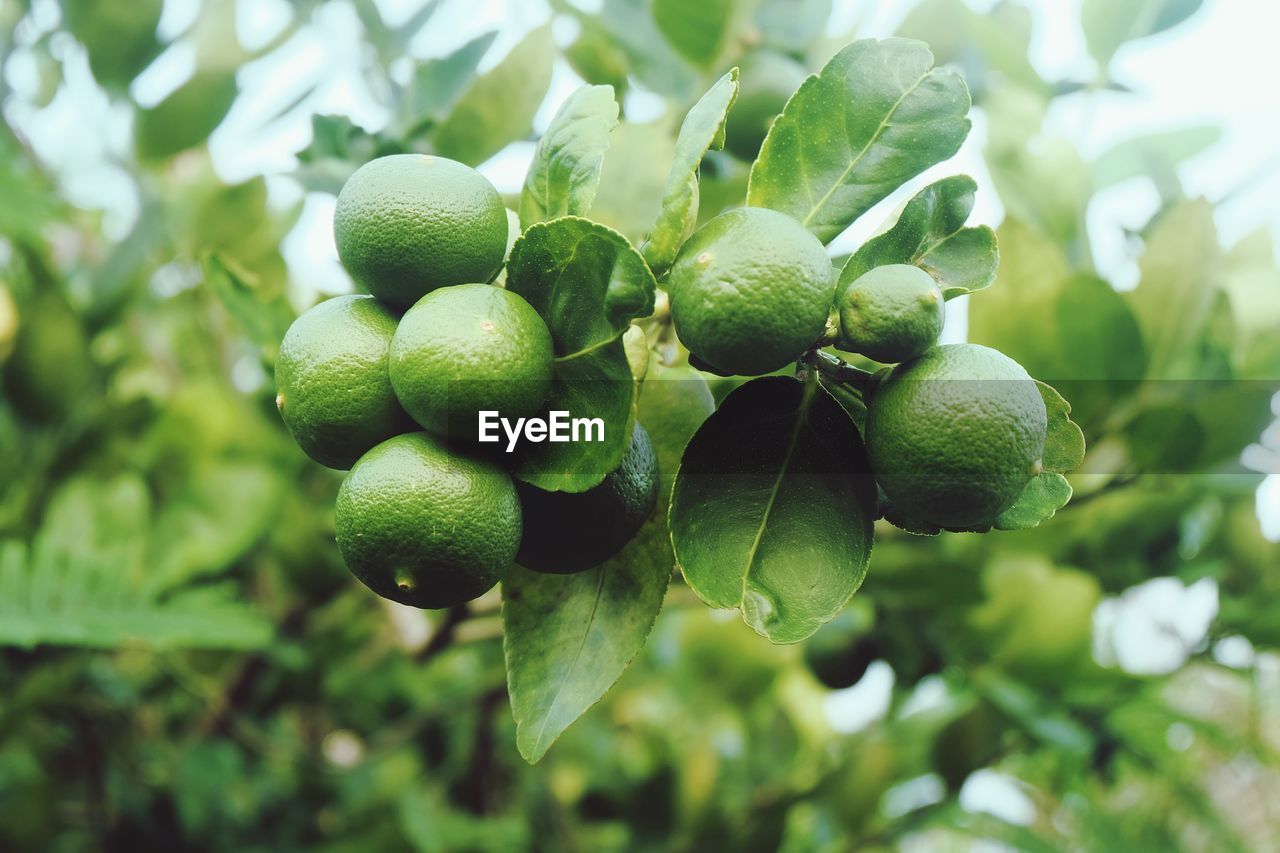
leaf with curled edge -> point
(875, 116)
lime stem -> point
(840, 371)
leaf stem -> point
(837, 369)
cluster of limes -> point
(390, 385)
(954, 433)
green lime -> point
(751, 291)
(954, 436)
(766, 79)
(406, 224)
(426, 526)
(465, 349)
(571, 532)
(332, 386)
(892, 313)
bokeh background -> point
(184, 660)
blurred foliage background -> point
(184, 660)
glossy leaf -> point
(565, 171)
(1049, 491)
(498, 107)
(586, 281)
(594, 383)
(772, 508)
(931, 234)
(877, 115)
(567, 638)
(1064, 443)
(702, 131)
(674, 401)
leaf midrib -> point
(577, 656)
(802, 413)
(857, 160)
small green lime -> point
(891, 313)
(406, 224)
(571, 532)
(332, 385)
(462, 350)
(766, 80)
(954, 436)
(750, 291)
(426, 526)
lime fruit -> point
(332, 385)
(426, 526)
(954, 436)
(766, 79)
(568, 532)
(406, 224)
(892, 313)
(840, 652)
(464, 349)
(750, 291)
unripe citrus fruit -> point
(571, 532)
(766, 79)
(464, 349)
(954, 436)
(892, 313)
(333, 390)
(426, 526)
(406, 224)
(750, 291)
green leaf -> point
(1043, 496)
(1008, 315)
(264, 314)
(772, 508)
(1108, 25)
(120, 38)
(437, 84)
(199, 531)
(697, 31)
(588, 283)
(595, 383)
(930, 233)
(633, 178)
(674, 401)
(598, 59)
(702, 131)
(568, 638)
(990, 47)
(1151, 153)
(877, 115)
(1175, 292)
(1064, 443)
(84, 581)
(565, 172)
(498, 107)
(656, 64)
(1049, 491)
(186, 117)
